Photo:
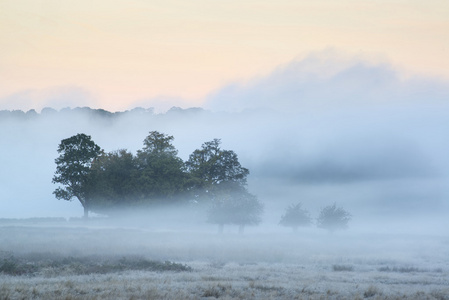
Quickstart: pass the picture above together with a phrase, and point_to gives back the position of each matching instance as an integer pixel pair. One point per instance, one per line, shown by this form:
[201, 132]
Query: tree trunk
[241, 228]
[86, 212]
[220, 228]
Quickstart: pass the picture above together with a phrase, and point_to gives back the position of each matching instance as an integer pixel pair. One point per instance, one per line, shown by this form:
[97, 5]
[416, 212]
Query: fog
[316, 131]
[319, 131]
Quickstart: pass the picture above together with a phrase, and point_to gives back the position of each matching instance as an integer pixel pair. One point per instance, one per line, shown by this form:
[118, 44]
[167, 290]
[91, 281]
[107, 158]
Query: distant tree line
[111, 182]
[87, 111]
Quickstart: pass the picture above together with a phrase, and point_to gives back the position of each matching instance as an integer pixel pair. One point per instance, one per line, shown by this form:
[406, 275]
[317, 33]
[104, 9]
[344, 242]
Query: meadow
[100, 260]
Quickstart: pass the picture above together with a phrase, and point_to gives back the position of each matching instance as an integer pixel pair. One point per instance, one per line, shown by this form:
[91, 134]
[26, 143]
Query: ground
[76, 260]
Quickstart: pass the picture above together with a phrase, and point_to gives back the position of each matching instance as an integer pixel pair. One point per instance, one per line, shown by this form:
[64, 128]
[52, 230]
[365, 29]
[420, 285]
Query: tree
[212, 168]
[333, 218]
[72, 168]
[157, 143]
[235, 206]
[162, 173]
[218, 178]
[112, 181]
[295, 216]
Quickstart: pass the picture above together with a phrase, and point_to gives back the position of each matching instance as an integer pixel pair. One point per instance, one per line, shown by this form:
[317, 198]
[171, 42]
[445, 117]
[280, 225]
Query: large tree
[76, 155]
[219, 179]
[213, 169]
[162, 174]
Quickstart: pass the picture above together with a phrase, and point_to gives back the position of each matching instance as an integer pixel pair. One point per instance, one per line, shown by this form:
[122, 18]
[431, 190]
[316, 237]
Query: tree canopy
[161, 173]
[218, 178]
[213, 169]
[112, 181]
[73, 167]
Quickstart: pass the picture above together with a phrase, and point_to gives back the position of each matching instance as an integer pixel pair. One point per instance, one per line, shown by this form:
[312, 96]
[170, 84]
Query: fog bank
[317, 131]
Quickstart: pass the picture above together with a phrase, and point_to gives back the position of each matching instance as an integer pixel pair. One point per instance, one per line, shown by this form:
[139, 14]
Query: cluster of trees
[107, 182]
[330, 218]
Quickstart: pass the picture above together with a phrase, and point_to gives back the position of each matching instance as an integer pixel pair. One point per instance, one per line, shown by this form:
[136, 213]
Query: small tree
[333, 218]
[235, 207]
[295, 217]
[72, 168]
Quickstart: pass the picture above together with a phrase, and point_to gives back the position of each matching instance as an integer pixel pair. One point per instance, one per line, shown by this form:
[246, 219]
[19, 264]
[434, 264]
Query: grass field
[64, 260]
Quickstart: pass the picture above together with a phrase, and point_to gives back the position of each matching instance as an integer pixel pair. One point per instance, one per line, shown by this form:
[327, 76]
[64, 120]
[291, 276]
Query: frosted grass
[308, 265]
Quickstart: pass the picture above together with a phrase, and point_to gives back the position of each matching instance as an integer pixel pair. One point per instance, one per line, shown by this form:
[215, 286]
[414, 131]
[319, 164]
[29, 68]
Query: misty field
[98, 260]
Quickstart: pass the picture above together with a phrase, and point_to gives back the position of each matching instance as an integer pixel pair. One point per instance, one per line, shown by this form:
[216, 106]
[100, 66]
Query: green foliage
[217, 177]
[77, 154]
[295, 217]
[157, 143]
[120, 180]
[333, 218]
[213, 169]
[112, 181]
[162, 173]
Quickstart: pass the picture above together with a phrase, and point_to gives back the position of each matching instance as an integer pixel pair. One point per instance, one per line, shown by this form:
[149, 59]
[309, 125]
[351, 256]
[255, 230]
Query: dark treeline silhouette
[97, 113]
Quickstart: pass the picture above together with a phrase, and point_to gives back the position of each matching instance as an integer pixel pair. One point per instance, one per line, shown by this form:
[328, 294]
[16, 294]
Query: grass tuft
[217, 291]
[400, 269]
[342, 268]
[371, 291]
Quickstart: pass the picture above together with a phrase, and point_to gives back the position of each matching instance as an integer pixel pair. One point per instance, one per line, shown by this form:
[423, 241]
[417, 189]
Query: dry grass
[118, 263]
[44, 264]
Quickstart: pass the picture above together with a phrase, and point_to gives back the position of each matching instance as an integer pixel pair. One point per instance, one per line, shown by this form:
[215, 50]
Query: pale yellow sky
[124, 51]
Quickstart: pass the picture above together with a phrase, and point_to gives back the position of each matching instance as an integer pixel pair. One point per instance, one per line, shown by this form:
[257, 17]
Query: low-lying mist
[356, 135]
[53, 259]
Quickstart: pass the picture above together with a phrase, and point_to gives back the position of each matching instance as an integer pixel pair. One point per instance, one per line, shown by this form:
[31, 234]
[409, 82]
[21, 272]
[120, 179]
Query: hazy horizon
[348, 132]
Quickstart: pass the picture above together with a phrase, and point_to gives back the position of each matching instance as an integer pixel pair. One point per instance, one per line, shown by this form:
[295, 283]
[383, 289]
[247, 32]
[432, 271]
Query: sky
[119, 54]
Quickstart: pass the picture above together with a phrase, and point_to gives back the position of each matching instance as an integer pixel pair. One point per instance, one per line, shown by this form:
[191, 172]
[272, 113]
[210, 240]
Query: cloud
[333, 118]
[329, 80]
